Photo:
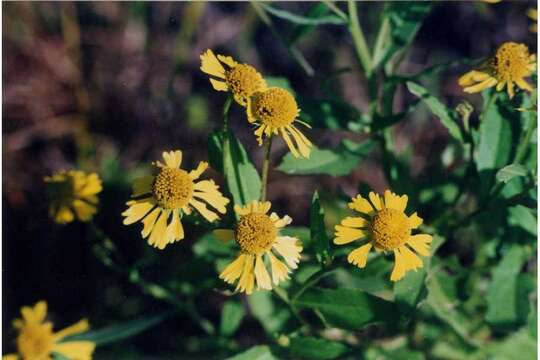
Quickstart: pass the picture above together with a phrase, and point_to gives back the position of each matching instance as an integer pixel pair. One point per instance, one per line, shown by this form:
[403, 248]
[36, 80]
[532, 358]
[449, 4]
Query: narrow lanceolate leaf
[448, 117]
[231, 316]
[400, 22]
[228, 156]
[261, 352]
[319, 237]
[314, 19]
[335, 162]
[308, 347]
[121, 331]
[509, 172]
[505, 308]
[348, 308]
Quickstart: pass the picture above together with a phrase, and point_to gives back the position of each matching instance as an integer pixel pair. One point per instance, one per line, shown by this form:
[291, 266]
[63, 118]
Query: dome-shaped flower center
[390, 229]
[172, 188]
[275, 107]
[255, 233]
[35, 341]
[244, 81]
[511, 62]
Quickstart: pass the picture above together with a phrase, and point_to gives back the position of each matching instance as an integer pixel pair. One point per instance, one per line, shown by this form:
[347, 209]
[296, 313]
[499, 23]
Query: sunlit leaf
[511, 171]
[231, 316]
[308, 347]
[319, 237]
[261, 352]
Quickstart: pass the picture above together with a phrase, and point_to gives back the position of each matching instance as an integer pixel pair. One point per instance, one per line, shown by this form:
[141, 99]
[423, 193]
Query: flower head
[275, 111]
[37, 341]
[73, 194]
[384, 226]
[240, 79]
[160, 201]
[257, 235]
[508, 67]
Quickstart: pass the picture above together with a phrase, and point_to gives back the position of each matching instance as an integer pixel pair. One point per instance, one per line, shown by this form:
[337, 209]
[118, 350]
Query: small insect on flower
[73, 194]
[508, 67]
[258, 236]
[240, 79]
[37, 341]
[384, 226]
[170, 194]
[275, 111]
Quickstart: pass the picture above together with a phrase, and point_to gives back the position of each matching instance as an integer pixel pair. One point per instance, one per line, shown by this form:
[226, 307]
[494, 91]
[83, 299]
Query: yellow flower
[275, 111]
[73, 195]
[384, 225]
[510, 65]
[170, 194]
[533, 15]
[240, 79]
[258, 236]
[36, 340]
[492, 1]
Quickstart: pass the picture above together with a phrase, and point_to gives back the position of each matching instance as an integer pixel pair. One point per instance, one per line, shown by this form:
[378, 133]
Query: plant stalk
[266, 166]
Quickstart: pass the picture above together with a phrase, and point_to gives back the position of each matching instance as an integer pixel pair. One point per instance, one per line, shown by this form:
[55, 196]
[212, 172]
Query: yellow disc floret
[172, 188]
[390, 229]
[511, 62]
[275, 107]
[35, 341]
[255, 233]
[244, 81]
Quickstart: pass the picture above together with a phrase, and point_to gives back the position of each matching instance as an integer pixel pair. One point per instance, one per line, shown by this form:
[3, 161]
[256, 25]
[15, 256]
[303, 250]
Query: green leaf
[122, 331]
[338, 162]
[401, 21]
[524, 218]
[316, 11]
[303, 20]
[308, 347]
[262, 307]
[505, 308]
[348, 308]
[447, 116]
[511, 171]
[410, 290]
[331, 114]
[516, 346]
[261, 352]
[241, 176]
[231, 317]
[319, 237]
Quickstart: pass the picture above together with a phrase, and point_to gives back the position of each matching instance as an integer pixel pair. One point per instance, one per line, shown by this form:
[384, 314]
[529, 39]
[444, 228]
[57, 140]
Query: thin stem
[525, 140]
[226, 146]
[312, 280]
[359, 39]
[266, 166]
[329, 4]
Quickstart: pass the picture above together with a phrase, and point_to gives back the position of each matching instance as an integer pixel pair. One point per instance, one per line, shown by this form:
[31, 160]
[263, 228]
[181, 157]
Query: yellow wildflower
[275, 111]
[73, 194]
[170, 194]
[37, 341]
[533, 15]
[510, 65]
[384, 225]
[258, 236]
[240, 79]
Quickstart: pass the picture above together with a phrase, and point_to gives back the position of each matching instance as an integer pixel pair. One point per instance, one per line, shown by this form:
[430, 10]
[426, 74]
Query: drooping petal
[158, 236]
[261, 274]
[78, 327]
[288, 248]
[211, 65]
[472, 77]
[63, 215]
[194, 174]
[289, 143]
[375, 200]
[400, 266]
[280, 271]
[302, 142]
[149, 221]
[420, 243]
[76, 350]
[137, 209]
[233, 270]
[524, 85]
[415, 221]
[510, 89]
[345, 235]
[175, 230]
[489, 82]
[359, 256]
[361, 205]
[355, 222]
[203, 210]
[83, 210]
[247, 279]
[224, 235]
[412, 260]
[208, 191]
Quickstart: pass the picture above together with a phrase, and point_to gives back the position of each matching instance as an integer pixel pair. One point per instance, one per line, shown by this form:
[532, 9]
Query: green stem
[335, 9]
[266, 166]
[312, 280]
[226, 146]
[359, 39]
[525, 140]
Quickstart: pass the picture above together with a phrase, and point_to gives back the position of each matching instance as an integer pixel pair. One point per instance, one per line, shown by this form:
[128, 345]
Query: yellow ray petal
[233, 270]
[10, 357]
[510, 89]
[203, 210]
[412, 260]
[219, 85]
[142, 185]
[354, 222]
[261, 275]
[345, 235]
[500, 85]
[420, 243]
[173, 159]
[359, 256]
[289, 249]
[224, 235]
[261, 207]
[63, 215]
[35, 314]
[524, 85]
[415, 221]
[211, 195]
[78, 327]
[194, 174]
[158, 236]
[289, 143]
[279, 223]
[211, 65]
[149, 221]
[280, 271]
[137, 209]
[399, 266]
[175, 230]
[302, 142]
[361, 205]
[393, 201]
[489, 82]
[76, 350]
[242, 210]
[247, 279]
[83, 210]
[375, 200]
[227, 60]
[472, 77]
